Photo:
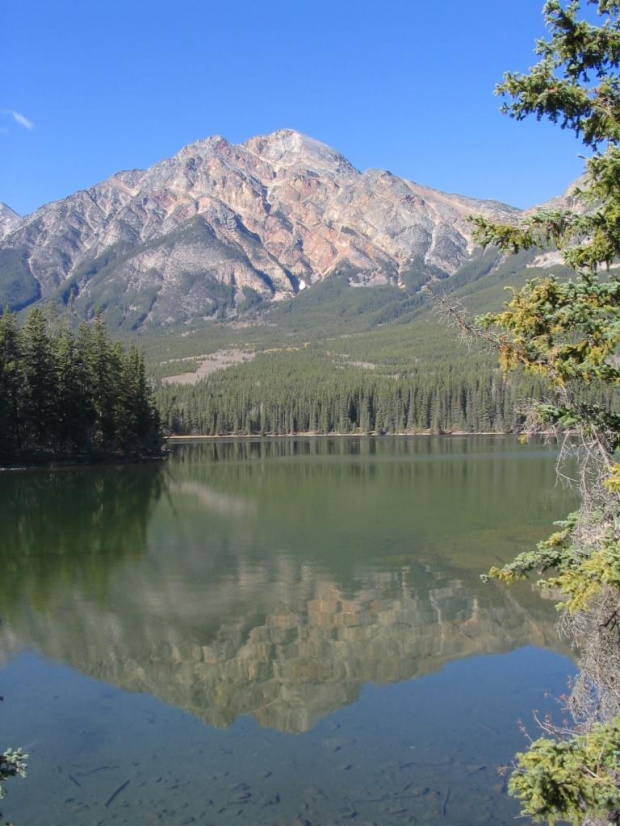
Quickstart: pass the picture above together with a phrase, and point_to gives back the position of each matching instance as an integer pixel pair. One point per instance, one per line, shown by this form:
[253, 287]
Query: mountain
[8, 220]
[219, 228]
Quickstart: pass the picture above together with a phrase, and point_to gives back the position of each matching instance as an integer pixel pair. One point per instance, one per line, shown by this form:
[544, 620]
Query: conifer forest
[68, 393]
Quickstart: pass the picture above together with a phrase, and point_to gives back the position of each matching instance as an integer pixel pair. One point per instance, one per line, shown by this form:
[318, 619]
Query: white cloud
[18, 118]
[23, 121]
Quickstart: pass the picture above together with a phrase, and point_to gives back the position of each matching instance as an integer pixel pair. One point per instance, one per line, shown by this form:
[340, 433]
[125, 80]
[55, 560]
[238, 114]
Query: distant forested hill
[346, 360]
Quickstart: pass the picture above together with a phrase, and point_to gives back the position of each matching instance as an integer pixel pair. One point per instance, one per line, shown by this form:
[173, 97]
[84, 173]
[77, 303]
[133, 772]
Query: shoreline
[372, 434]
[111, 460]
[75, 462]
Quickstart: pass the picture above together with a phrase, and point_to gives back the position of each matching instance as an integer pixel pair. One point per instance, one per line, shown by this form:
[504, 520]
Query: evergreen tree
[567, 333]
[73, 408]
[11, 386]
[103, 371]
[63, 394]
[40, 384]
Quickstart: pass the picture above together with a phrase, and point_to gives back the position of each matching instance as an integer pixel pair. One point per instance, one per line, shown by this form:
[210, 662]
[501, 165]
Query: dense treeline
[285, 395]
[71, 393]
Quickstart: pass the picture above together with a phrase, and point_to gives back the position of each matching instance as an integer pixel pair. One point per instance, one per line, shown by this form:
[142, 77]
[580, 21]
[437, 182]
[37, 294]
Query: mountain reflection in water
[276, 579]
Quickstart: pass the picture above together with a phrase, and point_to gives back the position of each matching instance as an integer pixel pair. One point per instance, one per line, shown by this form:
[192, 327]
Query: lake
[276, 632]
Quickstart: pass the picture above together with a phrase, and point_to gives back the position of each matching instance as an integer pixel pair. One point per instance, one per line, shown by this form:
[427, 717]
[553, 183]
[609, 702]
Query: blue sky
[404, 86]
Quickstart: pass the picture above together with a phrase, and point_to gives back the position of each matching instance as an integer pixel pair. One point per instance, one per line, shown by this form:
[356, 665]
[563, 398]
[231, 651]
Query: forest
[295, 393]
[72, 394]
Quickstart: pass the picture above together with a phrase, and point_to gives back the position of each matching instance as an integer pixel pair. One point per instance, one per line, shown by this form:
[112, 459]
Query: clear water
[280, 632]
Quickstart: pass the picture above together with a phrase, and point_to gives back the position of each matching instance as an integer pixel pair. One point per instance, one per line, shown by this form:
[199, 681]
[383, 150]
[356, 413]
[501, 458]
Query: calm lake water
[282, 632]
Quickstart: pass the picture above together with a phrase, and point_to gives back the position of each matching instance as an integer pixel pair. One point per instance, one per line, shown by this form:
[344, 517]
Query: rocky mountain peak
[288, 148]
[204, 146]
[221, 227]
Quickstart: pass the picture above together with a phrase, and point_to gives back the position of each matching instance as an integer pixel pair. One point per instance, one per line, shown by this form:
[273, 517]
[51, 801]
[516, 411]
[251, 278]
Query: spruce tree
[64, 394]
[40, 383]
[11, 386]
[566, 333]
[73, 411]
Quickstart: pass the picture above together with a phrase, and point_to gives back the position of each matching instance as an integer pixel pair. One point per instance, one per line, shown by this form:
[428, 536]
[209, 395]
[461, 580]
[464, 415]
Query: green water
[277, 632]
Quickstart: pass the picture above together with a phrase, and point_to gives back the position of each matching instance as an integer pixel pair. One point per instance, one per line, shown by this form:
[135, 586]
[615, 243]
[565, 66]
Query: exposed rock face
[8, 220]
[567, 200]
[219, 226]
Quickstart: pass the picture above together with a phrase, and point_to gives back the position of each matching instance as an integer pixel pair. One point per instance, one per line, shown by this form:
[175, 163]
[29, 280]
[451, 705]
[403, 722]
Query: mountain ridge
[220, 228]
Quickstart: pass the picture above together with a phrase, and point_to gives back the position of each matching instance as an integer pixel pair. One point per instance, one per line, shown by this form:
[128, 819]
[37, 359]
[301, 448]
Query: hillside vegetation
[343, 359]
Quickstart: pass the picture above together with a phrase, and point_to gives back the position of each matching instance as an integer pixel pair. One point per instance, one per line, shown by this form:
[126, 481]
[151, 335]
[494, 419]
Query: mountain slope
[219, 228]
[18, 287]
[8, 219]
